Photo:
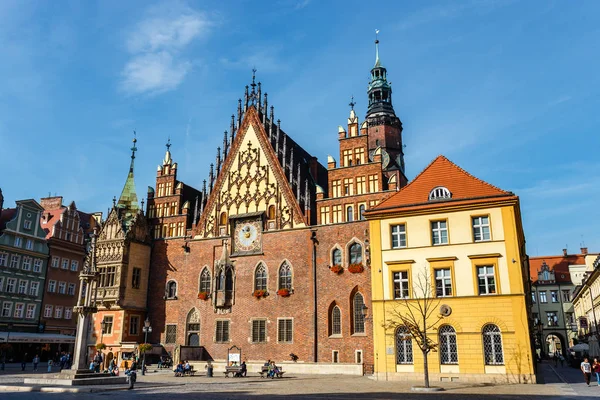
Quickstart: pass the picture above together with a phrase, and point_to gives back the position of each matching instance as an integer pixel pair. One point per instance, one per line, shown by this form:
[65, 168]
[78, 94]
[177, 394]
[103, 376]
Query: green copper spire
[377, 63]
[128, 201]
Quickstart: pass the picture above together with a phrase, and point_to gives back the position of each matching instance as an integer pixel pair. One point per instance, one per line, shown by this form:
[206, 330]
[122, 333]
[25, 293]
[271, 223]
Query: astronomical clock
[247, 236]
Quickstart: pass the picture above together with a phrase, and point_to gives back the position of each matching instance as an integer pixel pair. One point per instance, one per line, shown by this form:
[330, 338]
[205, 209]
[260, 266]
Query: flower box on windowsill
[203, 295]
[284, 292]
[336, 269]
[356, 268]
[260, 293]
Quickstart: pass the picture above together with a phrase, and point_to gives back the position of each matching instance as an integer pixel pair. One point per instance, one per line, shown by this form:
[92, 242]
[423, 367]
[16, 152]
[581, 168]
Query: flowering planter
[144, 347]
[284, 292]
[259, 293]
[356, 268]
[100, 346]
[203, 296]
[337, 269]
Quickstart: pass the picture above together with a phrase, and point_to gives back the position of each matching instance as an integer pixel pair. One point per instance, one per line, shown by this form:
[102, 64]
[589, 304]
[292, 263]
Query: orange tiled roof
[53, 216]
[558, 264]
[441, 172]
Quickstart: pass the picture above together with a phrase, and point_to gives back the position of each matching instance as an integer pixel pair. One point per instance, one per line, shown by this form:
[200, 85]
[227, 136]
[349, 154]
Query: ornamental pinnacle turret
[384, 127]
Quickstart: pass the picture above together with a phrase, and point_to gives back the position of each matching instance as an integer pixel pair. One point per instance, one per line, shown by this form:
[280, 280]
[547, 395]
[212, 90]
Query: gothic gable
[112, 228]
[251, 181]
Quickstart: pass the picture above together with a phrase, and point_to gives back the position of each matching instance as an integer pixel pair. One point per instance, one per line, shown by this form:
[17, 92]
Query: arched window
[271, 213]
[349, 214]
[193, 328]
[361, 211]
[357, 311]
[205, 281]
[336, 321]
[448, 350]
[223, 219]
[285, 276]
[404, 351]
[225, 281]
[260, 278]
[492, 345]
[439, 193]
[336, 257]
[171, 290]
[355, 253]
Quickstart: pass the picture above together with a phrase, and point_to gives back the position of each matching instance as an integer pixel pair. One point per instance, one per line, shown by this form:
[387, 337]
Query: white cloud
[157, 46]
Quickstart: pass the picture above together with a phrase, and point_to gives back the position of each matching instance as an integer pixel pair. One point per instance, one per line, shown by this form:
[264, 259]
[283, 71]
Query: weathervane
[352, 103]
[169, 143]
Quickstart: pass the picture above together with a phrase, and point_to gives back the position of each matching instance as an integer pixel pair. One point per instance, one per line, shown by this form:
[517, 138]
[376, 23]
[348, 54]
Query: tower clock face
[247, 236]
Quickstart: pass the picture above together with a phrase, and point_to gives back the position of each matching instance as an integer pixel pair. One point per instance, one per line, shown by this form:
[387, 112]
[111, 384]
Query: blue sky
[508, 90]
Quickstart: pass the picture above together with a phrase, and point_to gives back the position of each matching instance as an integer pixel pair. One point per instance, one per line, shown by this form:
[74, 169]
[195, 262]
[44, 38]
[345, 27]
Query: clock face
[247, 236]
[385, 158]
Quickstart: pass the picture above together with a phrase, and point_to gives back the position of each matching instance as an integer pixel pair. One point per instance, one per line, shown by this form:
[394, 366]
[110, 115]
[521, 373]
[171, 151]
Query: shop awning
[29, 337]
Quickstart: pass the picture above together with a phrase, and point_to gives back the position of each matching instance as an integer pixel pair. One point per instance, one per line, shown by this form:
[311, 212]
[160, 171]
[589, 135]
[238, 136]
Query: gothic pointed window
[358, 304]
[260, 278]
[205, 281]
[355, 253]
[336, 321]
[285, 276]
[171, 290]
[193, 328]
[336, 257]
[349, 214]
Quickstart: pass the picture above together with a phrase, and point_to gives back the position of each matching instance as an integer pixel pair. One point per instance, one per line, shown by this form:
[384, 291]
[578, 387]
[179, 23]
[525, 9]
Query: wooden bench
[190, 372]
[265, 370]
[232, 371]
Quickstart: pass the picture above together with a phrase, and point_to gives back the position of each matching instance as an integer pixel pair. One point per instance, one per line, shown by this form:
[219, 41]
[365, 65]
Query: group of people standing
[588, 369]
[63, 360]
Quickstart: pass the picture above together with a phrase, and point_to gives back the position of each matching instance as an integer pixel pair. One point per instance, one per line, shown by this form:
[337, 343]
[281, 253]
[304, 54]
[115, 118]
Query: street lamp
[102, 330]
[147, 328]
[540, 331]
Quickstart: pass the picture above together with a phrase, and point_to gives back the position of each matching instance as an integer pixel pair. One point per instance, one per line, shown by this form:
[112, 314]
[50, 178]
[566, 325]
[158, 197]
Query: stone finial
[232, 129]
[265, 109]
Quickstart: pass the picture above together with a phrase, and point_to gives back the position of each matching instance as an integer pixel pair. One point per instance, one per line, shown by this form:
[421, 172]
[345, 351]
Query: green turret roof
[128, 201]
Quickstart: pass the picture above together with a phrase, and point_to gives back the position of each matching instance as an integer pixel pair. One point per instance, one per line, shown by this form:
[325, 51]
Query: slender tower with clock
[383, 126]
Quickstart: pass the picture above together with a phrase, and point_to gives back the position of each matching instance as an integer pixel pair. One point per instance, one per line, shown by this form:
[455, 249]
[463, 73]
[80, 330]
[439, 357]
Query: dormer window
[440, 193]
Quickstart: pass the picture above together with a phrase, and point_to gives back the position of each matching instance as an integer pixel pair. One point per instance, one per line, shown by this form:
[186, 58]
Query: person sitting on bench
[243, 370]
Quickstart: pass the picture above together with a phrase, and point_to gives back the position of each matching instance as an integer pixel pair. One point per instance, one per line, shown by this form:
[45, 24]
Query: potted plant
[284, 292]
[144, 347]
[203, 295]
[336, 269]
[356, 268]
[259, 293]
[100, 346]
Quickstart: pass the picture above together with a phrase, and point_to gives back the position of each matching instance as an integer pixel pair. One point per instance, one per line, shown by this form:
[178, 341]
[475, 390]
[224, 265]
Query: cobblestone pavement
[570, 380]
[311, 387]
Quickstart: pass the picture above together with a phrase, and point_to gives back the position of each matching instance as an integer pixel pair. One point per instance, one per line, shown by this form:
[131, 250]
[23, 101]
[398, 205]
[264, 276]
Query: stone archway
[193, 328]
[555, 342]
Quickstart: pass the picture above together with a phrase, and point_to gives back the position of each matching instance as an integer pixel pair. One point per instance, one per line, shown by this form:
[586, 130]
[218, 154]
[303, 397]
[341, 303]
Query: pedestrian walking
[36, 361]
[562, 360]
[23, 362]
[586, 368]
[49, 365]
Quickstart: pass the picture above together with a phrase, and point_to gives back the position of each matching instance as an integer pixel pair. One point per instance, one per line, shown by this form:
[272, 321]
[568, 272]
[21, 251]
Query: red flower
[336, 269]
[283, 292]
[203, 296]
[356, 268]
[259, 293]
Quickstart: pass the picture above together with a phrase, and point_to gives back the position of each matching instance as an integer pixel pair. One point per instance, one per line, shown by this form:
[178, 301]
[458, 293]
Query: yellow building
[460, 239]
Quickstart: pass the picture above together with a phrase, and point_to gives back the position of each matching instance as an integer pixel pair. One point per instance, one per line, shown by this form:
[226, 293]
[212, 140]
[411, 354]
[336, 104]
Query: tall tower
[384, 127]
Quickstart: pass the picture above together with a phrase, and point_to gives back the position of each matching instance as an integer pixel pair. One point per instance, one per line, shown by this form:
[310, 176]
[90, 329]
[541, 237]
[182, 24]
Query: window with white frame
[492, 345]
[30, 313]
[336, 321]
[566, 296]
[18, 241]
[1, 283]
[51, 286]
[533, 297]
[481, 229]
[285, 330]
[3, 259]
[552, 318]
[439, 232]
[11, 285]
[48, 311]
[260, 277]
[29, 244]
[19, 309]
[543, 298]
[554, 296]
[404, 350]
[443, 282]
[23, 286]
[65, 263]
[27, 224]
[74, 265]
[285, 276]
[68, 312]
[58, 312]
[7, 308]
[55, 262]
[398, 236]
[448, 348]
[26, 263]
[259, 331]
[401, 289]
[358, 303]
[71, 289]
[440, 193]
[486, 279]
[37, 265]
[34, 288]
[108, 319]
[336, 257]
[14, 261]
[205, 280]
[62, 287]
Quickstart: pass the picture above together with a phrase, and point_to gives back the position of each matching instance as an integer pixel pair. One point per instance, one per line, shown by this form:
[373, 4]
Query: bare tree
[419, 315]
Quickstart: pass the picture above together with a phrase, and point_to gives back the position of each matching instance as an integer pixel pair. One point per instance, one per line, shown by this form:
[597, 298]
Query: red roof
[464, 188]
[51, 217]
[558, 264]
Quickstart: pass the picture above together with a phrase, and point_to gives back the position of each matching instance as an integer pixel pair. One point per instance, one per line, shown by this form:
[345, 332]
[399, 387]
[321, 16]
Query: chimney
[565, 252]
[584, 251]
